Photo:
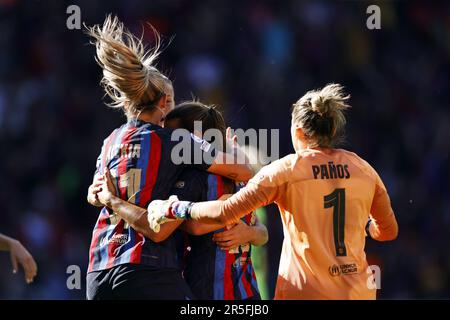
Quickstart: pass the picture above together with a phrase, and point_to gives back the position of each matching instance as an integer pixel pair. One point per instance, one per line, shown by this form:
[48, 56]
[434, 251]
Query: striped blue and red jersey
[211, 273]
[138, 155]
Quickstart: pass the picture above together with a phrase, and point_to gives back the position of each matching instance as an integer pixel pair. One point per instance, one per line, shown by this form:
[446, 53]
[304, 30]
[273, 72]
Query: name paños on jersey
[331, 171]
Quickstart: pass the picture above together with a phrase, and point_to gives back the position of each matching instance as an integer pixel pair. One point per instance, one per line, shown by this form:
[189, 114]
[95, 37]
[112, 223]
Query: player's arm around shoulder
[262, 190]
[266, 187]
[272, 180]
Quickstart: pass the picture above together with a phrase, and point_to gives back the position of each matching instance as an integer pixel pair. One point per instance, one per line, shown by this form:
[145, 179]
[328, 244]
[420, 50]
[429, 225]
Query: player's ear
[299, 134]
[162, 103]
[167, 102]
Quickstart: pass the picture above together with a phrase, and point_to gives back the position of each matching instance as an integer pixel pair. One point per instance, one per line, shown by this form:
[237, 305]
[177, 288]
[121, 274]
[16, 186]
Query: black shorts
[137, 282]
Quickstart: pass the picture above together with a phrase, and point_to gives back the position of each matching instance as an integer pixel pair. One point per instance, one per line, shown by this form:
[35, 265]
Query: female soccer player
[123, 263]
[325, 196]
[218, 265]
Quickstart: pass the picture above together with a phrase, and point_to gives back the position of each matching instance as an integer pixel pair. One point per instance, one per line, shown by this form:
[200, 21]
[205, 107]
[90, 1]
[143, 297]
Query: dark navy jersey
[139, 157]
[211, 272]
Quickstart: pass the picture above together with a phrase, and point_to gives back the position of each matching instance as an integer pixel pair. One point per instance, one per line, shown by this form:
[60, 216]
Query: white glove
[158, 212]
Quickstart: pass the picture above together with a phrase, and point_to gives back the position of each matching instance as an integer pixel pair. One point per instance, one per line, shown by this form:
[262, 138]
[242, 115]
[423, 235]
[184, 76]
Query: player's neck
[151, 117]
[302, 146]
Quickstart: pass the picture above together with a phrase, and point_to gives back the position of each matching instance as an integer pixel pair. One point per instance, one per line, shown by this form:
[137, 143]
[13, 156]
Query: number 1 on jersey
[336, 200]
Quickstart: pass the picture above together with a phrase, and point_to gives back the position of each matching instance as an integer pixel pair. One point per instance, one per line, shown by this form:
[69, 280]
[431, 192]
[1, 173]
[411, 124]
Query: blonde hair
[320, 114]
[129, 77]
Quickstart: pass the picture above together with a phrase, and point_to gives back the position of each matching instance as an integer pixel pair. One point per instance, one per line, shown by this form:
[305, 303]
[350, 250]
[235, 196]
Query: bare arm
[137, 218]
[134, 215]
[233, 236]
[256, 235]
[197, 228]
[5, 242]
[232, 165]
[19, 255]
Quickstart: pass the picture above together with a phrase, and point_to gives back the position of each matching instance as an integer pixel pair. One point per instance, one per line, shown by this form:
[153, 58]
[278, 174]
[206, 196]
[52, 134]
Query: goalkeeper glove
[162, 211]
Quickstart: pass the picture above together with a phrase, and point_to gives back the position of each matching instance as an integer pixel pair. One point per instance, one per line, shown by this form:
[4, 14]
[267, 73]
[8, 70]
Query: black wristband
[189, 209]
[368, 228]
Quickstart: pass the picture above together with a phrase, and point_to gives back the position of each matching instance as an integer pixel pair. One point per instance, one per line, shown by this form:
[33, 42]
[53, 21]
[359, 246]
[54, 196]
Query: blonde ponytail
[320, 114]
[129, 76]
[330, 99]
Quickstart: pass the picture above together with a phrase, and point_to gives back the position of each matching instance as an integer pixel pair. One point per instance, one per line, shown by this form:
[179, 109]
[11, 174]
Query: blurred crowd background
[253, 59]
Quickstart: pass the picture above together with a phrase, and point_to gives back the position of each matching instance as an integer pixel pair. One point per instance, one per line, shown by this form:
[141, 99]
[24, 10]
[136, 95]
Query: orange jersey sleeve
[385, 225]
[265, 188]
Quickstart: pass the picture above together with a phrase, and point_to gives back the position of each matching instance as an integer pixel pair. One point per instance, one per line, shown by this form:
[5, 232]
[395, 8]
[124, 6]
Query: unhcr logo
[334, 270]
[344, 269]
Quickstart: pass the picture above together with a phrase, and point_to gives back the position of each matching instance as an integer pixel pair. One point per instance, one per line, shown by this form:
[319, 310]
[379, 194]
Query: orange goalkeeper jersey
[325, 197]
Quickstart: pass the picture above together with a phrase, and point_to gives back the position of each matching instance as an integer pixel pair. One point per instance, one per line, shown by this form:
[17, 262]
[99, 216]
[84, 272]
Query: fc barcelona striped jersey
[138, 155]
[211, 272]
